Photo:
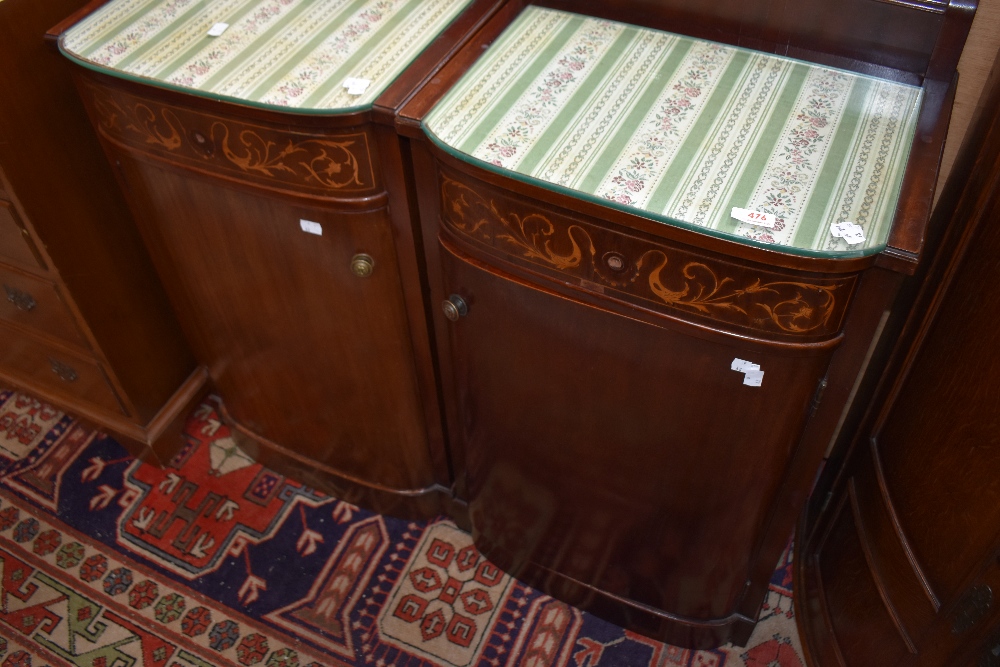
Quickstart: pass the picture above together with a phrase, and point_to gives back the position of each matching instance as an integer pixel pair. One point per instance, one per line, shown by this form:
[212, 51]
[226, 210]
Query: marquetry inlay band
[675, 280]
[319, 164]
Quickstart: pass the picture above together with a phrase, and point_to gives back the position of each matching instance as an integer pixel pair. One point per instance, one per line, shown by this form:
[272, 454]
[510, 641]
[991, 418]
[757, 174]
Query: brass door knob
[362, 265]
[454, 307]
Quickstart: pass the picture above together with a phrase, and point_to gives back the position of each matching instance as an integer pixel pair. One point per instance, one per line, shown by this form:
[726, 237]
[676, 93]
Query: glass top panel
[683, 130]
[294, 55]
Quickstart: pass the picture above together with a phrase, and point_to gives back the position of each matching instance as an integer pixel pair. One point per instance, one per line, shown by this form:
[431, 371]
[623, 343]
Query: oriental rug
[216, 560]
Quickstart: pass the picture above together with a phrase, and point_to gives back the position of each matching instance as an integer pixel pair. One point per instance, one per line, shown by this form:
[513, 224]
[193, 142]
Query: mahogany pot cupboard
[898, 559]
[600, 328]
[84, 321]
[503, 282]
[615, 452]
[285, 238]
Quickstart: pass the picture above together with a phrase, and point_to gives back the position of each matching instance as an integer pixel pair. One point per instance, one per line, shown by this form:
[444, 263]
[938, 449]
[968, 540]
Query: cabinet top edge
[687, 132]
[290, 56]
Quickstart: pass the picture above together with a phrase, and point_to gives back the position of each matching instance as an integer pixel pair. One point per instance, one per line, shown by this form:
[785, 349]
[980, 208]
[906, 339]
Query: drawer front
[671, 278]
[323, 164]
[48, 368]
[15, 244]
[34, 303]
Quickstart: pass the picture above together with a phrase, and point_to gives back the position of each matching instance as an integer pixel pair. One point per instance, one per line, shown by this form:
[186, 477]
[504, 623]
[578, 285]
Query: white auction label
[838, 229]
[854, 237]
[217, 29]
[753, 378]
[851, 232]
[356, 86]
[311, 227]
[753, 217]
[743, 366]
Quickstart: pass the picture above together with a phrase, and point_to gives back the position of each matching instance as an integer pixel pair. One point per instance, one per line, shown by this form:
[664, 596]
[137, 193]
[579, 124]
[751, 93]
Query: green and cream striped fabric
[685, 129]
[293, 54]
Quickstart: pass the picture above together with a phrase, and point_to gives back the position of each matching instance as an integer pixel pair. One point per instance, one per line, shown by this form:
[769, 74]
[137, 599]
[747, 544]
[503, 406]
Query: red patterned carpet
[218, 561]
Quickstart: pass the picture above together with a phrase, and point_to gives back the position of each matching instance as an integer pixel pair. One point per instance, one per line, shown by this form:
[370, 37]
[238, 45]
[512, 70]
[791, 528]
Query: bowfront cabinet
[590, 452]
[640, 381]
[269, 186]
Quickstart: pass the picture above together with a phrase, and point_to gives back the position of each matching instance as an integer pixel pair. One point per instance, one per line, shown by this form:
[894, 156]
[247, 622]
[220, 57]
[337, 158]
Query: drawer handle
[21, 299]
[454, 307]
[65, 372]
[362, 265]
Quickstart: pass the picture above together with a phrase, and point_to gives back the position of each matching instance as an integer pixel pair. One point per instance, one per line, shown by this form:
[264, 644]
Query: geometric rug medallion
[217, 561]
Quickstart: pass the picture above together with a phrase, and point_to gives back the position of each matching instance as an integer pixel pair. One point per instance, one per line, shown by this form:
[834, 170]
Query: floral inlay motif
[798, 307]
[322, 163]
[674, 278]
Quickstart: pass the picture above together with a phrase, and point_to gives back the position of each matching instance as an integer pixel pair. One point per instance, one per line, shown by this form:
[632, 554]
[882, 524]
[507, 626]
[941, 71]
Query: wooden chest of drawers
[84, 322]
[16, 246]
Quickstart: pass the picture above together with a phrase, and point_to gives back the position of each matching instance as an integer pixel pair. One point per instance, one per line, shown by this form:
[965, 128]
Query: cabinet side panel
[953, 429]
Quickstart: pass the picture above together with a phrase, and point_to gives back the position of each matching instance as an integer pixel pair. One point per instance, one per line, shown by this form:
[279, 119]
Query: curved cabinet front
[629, 408]
[305, 353]
[277, 247]
[616, 454]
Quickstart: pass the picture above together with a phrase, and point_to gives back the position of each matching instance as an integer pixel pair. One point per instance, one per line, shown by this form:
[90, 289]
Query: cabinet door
[304, 352]
[617, 452]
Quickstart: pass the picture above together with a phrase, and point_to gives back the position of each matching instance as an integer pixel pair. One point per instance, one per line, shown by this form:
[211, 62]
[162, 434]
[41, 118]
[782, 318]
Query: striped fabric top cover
[684, 130]
[289, 54]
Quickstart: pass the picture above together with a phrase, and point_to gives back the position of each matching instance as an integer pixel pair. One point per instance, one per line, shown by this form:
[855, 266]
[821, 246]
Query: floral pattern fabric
[292, 54]
[684, 130]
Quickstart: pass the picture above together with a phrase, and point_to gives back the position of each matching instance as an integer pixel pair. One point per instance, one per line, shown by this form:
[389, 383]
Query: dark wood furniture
[899, 557]
[318, 344]
[607, 454]
[84, 321]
